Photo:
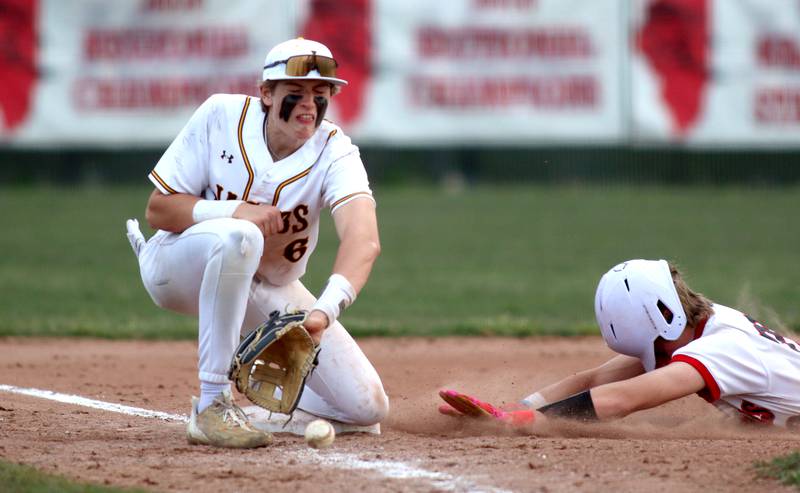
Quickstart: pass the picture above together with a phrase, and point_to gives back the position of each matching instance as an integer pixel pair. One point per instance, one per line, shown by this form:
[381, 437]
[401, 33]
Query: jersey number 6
[295, 250]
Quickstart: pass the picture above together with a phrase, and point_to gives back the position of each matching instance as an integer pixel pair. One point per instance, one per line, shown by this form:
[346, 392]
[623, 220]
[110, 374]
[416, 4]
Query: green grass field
[513, 260]
[485, 260]
[786, 469]
[15, 478]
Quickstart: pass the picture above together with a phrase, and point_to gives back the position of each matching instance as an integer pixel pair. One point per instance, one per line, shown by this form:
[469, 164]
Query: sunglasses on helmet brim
[301, 65]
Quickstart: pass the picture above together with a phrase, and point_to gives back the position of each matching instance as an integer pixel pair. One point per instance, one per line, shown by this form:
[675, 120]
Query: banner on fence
[127, 72]
[716, 72]
[483, 72]
[493, 71]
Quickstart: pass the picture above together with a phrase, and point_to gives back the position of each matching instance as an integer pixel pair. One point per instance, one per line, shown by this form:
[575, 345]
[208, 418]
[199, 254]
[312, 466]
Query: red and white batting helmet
[628, 306]
[299, 59]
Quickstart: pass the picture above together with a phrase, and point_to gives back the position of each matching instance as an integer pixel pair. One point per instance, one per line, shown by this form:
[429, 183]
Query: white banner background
[495, 72]
[131, 72]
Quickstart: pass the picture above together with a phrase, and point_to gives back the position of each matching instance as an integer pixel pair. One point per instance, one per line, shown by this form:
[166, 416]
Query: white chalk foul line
[386, 468]
[398, 470]
[83, 401]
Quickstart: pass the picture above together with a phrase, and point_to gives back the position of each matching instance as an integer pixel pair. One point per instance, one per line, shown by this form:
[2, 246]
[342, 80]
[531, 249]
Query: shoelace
[235, 414]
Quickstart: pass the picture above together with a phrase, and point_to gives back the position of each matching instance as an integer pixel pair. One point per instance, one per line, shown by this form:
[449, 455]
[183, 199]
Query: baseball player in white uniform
[237, 202]
[672, 342]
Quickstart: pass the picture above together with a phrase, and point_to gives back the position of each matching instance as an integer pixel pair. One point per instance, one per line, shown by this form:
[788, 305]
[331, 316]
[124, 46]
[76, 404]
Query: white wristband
[535, 401]
[337, 295]
[214, 209]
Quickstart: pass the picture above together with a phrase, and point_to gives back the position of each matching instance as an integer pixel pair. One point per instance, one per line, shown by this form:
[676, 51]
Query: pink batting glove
[459, 404]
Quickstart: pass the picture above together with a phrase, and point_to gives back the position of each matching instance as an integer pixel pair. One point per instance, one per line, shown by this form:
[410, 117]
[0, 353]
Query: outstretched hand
[463, 405]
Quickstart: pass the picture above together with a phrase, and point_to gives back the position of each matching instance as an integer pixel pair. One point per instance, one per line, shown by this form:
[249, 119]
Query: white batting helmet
[299, 59]
[628, 308]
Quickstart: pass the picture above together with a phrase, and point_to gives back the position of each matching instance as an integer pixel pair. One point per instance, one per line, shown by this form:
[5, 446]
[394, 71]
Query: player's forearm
[355, 259]
[618, 399]
[170, 212]
[567, 386]
[617, 368]
[350, 272]
[605, 402]
[615, 401]
[359, 243]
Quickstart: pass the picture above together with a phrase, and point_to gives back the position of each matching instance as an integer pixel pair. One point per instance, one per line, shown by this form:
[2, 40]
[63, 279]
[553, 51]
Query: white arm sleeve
[184, 166]
[346, 180]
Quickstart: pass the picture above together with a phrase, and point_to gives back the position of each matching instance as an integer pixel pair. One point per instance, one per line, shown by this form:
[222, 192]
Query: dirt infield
[684, 446]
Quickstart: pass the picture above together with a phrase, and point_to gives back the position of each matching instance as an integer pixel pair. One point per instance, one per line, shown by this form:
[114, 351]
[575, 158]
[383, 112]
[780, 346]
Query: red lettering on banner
[569, 92]
[345, 26]
[778, 51]
[92, 94]
[19, 54]
[470, 42]
[505, 4]
[138, 44]
[674, 40]
[172, 5]
[778, 106]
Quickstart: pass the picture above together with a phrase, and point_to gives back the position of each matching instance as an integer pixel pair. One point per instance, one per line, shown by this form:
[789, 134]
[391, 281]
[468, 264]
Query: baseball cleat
[465, 405]
[224, 424]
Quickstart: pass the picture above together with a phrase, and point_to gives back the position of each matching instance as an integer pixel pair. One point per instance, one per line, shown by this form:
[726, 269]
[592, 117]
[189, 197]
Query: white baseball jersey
[222, 154]
[750, 371]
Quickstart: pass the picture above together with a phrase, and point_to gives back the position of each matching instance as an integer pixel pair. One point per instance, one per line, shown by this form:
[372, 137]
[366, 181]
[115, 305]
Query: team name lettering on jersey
[296, 219]
[773, 336]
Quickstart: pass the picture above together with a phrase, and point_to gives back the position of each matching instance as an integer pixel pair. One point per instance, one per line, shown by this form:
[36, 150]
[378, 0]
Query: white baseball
[319, 434]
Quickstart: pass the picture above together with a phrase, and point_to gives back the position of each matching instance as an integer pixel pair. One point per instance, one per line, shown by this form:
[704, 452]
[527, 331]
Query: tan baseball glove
[278, 354]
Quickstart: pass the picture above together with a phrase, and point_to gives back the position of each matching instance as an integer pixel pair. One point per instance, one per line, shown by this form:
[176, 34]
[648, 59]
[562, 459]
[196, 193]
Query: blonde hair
[696, 305]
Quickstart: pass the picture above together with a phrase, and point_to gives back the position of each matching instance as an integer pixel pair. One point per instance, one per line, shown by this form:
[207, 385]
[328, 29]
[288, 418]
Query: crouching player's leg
[345, 388]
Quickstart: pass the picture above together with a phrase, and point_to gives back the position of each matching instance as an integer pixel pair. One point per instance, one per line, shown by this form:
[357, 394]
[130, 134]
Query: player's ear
[266, 92]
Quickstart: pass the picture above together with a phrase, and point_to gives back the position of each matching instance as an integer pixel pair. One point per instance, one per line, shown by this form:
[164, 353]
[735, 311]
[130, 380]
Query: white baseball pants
[209, 271]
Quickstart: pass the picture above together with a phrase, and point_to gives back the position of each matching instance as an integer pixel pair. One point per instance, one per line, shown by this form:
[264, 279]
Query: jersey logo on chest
[227, 156]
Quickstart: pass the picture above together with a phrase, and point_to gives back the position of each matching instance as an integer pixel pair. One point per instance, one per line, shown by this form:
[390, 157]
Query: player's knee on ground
[241, 244]
[372, 406]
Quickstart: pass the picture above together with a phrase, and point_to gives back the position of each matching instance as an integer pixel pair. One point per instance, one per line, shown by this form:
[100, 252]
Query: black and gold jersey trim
[288, 182]
[348, 197]
[244, 152]
[162, 182]
[301, 174]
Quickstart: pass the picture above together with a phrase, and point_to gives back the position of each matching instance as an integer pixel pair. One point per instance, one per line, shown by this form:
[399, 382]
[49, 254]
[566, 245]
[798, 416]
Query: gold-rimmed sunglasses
[301, 65]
